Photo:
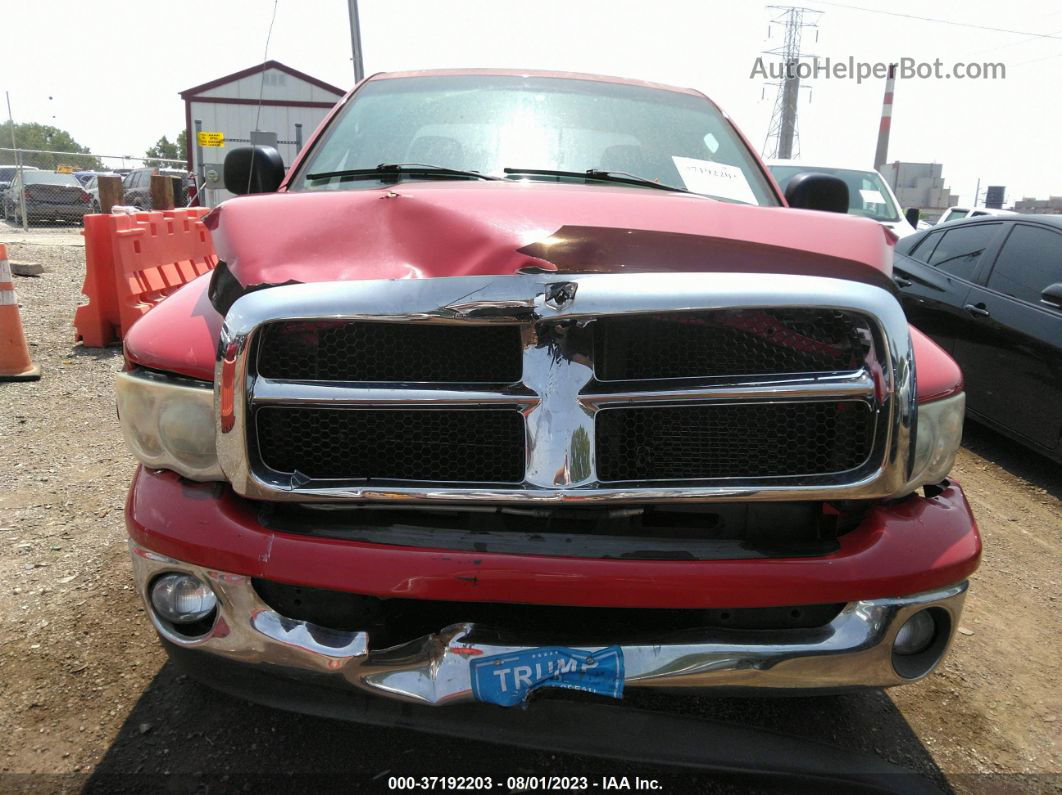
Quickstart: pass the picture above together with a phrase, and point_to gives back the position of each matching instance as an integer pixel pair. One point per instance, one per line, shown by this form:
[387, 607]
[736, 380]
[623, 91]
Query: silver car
[49, 197]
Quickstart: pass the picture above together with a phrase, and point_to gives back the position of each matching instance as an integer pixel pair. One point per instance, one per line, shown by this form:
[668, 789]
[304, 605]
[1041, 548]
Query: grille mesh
[389, 352]
[393, 444]
[727, 342]
[721, 441]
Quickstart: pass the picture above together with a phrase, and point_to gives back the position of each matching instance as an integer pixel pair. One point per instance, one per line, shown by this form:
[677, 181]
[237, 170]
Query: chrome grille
[337, 350]
[393, 444]
[728, 342]
[730, 441]
[629, 388]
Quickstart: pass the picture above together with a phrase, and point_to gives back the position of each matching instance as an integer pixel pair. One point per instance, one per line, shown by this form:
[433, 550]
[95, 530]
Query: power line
[939, 21]
[1037, 60]
[1014, 43]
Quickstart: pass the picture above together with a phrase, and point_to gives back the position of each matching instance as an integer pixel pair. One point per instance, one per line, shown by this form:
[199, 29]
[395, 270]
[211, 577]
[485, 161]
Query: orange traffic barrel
[15, 363]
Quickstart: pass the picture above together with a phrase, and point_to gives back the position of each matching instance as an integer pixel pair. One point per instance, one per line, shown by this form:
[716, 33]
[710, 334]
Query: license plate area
[508, 679]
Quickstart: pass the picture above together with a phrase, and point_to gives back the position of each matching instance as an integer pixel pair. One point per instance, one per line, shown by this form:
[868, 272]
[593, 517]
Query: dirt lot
[87, 697]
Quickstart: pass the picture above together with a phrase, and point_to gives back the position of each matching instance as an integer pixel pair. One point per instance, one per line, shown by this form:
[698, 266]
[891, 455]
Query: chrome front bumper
[853, 650]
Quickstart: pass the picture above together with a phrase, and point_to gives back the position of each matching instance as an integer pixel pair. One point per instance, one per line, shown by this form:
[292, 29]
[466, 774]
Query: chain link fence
[40, 187]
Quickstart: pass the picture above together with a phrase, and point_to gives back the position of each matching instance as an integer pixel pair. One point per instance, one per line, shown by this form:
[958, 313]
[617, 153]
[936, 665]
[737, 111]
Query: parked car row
[52, 196]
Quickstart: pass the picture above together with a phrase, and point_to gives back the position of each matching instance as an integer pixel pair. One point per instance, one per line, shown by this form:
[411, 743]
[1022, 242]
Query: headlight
[937, 440]
[169, 425]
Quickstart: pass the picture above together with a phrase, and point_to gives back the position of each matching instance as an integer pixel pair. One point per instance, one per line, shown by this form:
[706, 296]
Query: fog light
[182, 598]
[916, 634]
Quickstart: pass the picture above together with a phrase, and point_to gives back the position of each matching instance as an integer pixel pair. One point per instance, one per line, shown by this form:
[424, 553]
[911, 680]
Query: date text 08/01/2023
[523, 783]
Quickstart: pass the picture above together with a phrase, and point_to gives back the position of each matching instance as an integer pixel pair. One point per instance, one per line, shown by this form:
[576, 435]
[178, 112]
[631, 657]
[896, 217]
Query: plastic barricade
[132, 262]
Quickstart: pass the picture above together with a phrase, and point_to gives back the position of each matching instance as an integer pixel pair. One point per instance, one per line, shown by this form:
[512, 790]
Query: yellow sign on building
[210, 138]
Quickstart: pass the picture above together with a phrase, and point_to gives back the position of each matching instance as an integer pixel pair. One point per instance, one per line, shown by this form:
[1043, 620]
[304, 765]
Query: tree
[171, 150]
[30, 135]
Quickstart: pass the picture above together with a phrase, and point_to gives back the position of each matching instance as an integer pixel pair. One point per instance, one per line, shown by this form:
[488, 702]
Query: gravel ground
[87, 696]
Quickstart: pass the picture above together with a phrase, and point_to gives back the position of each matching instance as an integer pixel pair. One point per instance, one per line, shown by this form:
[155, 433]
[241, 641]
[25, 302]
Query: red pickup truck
[524, 380]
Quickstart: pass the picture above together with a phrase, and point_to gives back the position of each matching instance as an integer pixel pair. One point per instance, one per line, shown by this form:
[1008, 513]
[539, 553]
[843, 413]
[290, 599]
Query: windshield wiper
[401, 169]
[621, 177]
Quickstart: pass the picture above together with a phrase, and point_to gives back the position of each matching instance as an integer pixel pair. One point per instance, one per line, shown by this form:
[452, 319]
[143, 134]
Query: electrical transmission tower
[783, 140]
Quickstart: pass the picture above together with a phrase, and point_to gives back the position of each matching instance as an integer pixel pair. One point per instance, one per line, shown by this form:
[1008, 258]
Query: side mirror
[253, 169]
[912, 215]
[811, 191]
[1052, 296]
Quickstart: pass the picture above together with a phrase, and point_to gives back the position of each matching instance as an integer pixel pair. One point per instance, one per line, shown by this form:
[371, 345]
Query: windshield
[488, 123]
[867, 194]
[48, 178]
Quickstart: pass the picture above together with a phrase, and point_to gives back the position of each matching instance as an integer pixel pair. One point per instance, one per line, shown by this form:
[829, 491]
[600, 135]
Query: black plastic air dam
[725, 531]
[553, 724]
[391, 622]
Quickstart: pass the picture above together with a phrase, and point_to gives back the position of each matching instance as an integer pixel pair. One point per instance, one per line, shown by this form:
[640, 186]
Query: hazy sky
[109, 71]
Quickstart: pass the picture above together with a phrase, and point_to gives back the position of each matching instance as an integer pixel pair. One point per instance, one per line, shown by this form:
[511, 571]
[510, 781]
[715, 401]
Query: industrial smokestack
[882, 153]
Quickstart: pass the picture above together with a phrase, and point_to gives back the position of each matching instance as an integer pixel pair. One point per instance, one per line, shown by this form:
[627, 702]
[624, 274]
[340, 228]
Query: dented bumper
[853, 650]
[909, 556]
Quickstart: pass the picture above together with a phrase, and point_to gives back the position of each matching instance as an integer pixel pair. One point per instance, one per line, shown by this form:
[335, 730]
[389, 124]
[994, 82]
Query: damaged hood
[423, 230]
[440, 229]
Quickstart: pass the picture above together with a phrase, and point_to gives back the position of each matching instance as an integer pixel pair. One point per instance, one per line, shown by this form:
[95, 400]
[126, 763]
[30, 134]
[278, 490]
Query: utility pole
[783, 140]
[355, 40]
[881, 154]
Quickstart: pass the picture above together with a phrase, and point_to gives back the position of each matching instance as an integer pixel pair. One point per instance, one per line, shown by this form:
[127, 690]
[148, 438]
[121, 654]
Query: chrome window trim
[558, 394]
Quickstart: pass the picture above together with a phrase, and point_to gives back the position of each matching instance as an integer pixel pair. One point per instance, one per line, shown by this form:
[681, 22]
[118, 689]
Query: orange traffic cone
[15, 364]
